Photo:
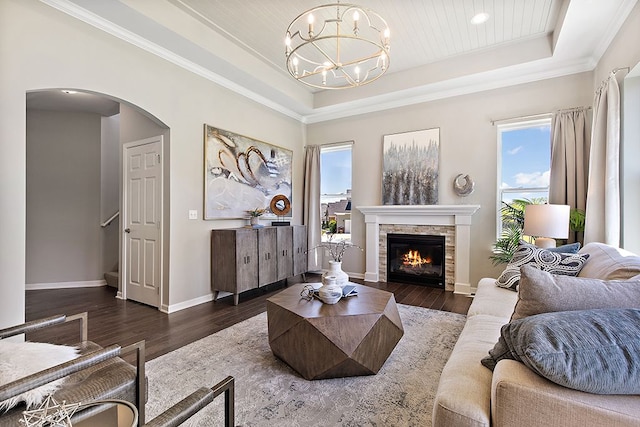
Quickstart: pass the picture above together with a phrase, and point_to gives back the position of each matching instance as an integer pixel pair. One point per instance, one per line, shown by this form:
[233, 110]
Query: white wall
[63, 197]
[467, 145]
[42, 48]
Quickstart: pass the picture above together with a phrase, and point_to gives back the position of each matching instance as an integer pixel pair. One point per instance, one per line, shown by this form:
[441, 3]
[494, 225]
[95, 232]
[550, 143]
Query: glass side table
[106, 413]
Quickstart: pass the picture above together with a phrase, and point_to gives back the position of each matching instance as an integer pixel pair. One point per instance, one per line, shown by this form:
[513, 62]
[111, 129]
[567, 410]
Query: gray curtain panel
[570, 146]
[602, 220]
[311, 205]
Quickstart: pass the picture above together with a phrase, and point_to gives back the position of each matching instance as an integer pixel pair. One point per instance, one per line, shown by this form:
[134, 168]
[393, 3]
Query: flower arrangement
[256, 212]
[337, 250]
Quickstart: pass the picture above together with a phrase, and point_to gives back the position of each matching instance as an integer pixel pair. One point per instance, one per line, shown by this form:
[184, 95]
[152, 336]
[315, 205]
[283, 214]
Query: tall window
[525, 162]
[335, 191]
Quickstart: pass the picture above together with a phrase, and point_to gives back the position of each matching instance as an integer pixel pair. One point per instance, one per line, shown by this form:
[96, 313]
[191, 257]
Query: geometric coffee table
[353, 337]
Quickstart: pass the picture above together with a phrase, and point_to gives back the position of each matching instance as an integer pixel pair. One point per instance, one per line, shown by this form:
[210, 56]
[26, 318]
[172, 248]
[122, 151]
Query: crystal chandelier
[337, 46]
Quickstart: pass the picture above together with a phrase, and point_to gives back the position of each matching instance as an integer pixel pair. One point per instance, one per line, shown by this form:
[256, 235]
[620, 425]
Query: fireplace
[417, 259]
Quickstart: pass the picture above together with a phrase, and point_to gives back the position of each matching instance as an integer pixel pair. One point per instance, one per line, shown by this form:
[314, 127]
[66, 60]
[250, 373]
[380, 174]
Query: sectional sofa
[470, 394]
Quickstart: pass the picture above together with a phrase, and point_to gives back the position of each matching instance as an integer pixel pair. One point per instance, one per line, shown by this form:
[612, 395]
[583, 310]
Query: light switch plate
[193, 214]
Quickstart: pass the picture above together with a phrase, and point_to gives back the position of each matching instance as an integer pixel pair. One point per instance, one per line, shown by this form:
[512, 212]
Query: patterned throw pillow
[553, 262]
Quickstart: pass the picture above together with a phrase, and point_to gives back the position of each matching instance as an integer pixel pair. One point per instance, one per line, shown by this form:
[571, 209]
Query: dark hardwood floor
[114, 321]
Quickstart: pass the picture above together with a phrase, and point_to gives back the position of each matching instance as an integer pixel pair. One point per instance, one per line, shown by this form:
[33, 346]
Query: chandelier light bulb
[356, 17]
[324, 76]
[357, 71]
[310, 20]
[295, 65]
[287, 43]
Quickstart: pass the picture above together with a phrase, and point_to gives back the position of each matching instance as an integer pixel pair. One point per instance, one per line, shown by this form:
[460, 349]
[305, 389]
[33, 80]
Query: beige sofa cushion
[520, 398]
[542, 292]
[492, 300]
[464, 393]
[609, 263]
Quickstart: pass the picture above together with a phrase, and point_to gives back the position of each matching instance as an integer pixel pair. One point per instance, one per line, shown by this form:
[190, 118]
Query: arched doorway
[74, 187]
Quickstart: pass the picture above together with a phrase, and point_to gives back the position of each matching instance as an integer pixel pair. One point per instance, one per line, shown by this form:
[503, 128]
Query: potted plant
[254, 214]
[513, 225]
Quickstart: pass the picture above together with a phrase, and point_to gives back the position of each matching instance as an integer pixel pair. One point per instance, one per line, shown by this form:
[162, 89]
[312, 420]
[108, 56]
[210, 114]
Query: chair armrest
[197, 400]
[141, 383]
[34, 325]
[38, 379]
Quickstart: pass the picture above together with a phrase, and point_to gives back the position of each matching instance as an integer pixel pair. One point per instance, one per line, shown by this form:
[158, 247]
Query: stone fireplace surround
[452, 221]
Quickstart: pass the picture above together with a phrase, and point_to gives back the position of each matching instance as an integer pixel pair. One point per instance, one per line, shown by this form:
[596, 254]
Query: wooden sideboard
[247, 258]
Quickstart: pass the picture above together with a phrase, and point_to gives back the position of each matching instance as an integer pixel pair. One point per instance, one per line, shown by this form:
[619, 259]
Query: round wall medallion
[280, 205]
[463, 185]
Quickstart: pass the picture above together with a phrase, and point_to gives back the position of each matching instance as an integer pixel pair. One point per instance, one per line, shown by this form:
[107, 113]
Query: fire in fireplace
[417, 259]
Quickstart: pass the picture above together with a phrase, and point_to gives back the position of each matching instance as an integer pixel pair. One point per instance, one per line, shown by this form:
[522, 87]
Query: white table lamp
[550, 222]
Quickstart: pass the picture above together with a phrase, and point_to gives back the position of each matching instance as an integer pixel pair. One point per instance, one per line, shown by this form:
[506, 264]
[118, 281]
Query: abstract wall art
[242, 174]
[410, 168]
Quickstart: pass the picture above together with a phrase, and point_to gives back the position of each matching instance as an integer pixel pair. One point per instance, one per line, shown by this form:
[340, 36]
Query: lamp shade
[547, 221]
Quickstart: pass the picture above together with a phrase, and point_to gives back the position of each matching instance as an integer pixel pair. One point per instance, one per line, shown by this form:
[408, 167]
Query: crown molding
[109, 27]
[495, 79]
[489, 80]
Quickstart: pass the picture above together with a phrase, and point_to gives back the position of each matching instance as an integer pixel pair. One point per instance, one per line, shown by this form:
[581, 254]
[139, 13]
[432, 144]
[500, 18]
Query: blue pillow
[569, 248]
[595, 351]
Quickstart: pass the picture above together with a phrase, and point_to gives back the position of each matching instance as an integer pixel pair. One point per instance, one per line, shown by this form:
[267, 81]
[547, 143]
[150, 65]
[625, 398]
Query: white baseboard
[462, 288]
[65, 285]
[186, 304]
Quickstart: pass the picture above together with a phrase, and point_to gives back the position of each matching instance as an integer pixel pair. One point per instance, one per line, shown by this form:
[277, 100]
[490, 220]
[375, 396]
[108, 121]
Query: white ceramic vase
[330, 292]
[335, 270]
[255, 220]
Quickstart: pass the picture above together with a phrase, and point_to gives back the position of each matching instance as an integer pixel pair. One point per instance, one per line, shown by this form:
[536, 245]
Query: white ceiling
[435, 51]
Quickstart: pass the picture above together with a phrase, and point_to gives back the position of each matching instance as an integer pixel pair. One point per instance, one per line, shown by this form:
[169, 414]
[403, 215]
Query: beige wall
[467, 145]
[63, 197]
[43, 48]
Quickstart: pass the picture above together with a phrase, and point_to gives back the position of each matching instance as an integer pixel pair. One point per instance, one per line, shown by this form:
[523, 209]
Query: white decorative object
[21, 359]
[50, 413]
[335, 270]
[330, 292]
[463, 185]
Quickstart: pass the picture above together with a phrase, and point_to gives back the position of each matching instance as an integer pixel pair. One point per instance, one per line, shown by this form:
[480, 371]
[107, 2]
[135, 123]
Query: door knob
[127, 230]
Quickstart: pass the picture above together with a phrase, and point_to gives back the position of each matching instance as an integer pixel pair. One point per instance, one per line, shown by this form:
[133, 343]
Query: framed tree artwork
[242, 174]
[410, 168]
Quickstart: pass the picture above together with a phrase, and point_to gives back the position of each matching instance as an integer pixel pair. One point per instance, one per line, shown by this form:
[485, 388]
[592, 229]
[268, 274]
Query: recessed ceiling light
[69, 92]
[480, 18]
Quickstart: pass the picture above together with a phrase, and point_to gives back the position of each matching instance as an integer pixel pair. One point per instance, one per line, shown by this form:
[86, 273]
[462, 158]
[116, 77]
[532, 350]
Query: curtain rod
[352, 142]
[538, 116]
[531, 116]
[615, 70]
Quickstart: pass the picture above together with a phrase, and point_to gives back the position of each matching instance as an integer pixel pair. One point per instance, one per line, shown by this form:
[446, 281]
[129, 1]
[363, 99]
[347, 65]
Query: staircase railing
[110, 220]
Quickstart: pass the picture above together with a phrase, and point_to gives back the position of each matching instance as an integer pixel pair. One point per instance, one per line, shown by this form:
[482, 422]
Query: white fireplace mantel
[458, 216]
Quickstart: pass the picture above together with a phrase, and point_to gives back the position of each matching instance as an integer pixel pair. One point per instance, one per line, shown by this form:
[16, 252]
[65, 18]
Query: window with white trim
[524, 163]
[335, 191]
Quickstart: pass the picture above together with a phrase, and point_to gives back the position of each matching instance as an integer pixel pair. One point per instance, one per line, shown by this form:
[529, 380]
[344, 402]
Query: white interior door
[142, 251]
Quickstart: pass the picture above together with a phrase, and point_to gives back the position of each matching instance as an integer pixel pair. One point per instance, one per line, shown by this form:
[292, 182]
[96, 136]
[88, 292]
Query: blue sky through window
[526, 157]
[335, 170]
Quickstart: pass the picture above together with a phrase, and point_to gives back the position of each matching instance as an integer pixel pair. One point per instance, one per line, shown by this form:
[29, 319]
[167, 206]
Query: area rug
[269, 393]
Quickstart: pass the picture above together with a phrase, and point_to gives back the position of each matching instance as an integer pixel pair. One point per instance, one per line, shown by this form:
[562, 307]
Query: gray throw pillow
[553, 262]
[542, 292]
[595, 351]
